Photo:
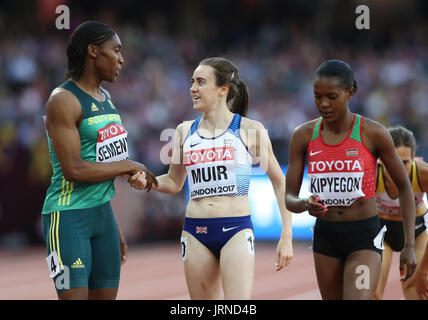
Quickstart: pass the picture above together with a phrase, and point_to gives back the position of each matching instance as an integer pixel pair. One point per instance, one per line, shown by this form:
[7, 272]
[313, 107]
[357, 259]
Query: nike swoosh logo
[195, 144]
[314, 153]
[419, 225]
[228, 229]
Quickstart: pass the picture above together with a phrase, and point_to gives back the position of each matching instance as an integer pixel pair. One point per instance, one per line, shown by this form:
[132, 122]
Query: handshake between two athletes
[141, 180]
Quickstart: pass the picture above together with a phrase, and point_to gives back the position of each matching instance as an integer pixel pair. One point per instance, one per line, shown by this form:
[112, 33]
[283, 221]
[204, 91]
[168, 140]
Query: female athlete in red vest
[341, 149]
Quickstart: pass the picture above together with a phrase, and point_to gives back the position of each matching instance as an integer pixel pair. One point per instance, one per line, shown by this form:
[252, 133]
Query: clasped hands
[140, 180]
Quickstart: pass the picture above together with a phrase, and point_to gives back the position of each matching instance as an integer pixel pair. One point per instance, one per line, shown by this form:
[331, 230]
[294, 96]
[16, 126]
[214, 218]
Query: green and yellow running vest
[103, 139]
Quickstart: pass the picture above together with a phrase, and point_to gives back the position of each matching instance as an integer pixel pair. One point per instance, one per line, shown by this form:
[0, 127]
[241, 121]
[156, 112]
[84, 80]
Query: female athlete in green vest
[88, 148]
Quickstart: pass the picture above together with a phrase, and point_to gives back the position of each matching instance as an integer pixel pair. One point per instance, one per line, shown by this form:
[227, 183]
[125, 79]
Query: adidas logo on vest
[94, 107]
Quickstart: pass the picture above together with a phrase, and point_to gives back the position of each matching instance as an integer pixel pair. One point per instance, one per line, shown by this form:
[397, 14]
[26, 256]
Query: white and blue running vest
[218, 166]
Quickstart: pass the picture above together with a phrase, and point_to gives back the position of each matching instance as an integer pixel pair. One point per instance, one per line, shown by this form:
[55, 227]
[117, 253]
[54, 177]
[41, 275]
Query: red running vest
[340, 174]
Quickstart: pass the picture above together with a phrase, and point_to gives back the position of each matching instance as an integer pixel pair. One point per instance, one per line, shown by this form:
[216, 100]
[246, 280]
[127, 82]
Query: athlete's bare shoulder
[62, 107]
[422, 171]
[422, 165]
[301, 136]
[304, 130]
[247, 123]
[183, 130]
[375, 135]
[184, 127]
[372, 126]
[62, 100]
[254, 134]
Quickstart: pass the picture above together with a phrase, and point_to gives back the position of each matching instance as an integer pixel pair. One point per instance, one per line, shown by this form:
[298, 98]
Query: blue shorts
[214, 233]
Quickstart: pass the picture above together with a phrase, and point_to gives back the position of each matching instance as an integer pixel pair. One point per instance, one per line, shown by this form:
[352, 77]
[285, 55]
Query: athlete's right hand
[419, 281]
[143, 179]
[315, 206]
[138, 181]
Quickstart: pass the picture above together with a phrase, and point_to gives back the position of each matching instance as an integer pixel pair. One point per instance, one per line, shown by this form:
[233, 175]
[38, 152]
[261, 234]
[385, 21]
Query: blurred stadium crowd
[277, 45]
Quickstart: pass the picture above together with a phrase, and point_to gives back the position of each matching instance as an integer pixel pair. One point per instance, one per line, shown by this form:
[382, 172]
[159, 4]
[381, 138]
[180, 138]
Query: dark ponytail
[240, 95]
[90, 32]
[226, 73]
[338, 69]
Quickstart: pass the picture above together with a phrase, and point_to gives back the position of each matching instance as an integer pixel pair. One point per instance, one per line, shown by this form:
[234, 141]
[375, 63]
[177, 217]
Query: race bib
[336, 182]
[337, 189]
[112, 144]
[249, 236]
[183, 248]
[53, 264]
[211, 172]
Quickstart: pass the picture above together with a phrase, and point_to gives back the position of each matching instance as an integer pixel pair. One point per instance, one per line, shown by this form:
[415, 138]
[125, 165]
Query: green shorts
[83, 248]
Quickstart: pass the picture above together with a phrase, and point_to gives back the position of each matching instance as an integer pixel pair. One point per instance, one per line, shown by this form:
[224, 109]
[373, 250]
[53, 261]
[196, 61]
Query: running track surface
[155, 272]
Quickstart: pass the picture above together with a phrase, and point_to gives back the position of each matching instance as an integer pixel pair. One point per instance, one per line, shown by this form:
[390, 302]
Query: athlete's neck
[91, 85]
[218, 119]
[341, 124]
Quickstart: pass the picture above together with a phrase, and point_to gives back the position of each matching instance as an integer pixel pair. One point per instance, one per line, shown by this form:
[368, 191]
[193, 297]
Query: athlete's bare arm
[422, 174]
[173, 181]
[296, 167]
[261, 147]
[379, 141]
[63, 115]
[420, 279]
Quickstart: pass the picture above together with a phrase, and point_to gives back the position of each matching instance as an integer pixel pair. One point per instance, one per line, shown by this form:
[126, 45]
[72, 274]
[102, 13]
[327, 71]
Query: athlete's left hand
[284, 253]
[407, 259]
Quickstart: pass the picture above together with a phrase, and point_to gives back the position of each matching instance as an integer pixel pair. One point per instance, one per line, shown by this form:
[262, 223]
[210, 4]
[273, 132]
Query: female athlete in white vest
[216, 152]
